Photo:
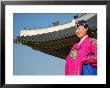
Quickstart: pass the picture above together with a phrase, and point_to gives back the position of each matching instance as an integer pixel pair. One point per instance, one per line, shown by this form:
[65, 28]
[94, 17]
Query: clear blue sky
[32, 62]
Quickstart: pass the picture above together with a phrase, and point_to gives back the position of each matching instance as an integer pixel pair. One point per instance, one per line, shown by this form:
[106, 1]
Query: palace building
[56, 40]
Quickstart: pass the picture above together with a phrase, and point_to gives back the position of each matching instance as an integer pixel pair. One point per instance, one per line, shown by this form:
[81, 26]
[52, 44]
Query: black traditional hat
[81, 23]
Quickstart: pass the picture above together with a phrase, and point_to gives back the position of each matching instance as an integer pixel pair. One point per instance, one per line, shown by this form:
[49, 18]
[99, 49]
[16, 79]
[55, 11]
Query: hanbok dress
[86, 49]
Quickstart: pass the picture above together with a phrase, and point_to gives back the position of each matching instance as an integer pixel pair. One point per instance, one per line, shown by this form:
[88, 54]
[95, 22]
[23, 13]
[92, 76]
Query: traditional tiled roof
[56, 43]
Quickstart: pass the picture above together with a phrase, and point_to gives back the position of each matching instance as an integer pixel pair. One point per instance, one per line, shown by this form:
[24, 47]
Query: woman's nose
[77, 30]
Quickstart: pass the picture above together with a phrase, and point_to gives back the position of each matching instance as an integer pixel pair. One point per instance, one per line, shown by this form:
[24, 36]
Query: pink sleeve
[68, 67]
[92, 59]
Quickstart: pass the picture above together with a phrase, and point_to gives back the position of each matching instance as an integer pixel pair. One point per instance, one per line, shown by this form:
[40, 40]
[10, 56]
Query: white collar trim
[82, 39]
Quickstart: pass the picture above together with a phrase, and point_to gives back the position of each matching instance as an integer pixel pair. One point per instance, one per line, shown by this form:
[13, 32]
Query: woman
[82, 59]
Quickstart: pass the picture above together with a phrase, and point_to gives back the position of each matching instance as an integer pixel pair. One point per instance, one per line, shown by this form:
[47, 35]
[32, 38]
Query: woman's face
[81, 31]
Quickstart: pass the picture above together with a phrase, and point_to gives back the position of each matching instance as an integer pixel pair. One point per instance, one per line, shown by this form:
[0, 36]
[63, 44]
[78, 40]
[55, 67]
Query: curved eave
[58, 47]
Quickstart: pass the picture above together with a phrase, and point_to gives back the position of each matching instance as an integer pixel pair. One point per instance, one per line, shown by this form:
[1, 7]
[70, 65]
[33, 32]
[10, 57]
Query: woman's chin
[79, 36]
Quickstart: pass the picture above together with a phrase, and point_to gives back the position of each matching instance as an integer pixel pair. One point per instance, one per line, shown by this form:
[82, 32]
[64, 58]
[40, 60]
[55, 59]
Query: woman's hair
[88, 32]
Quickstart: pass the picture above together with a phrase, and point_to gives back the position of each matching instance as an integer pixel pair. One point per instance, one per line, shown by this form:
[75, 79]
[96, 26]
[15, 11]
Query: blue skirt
[88, 69]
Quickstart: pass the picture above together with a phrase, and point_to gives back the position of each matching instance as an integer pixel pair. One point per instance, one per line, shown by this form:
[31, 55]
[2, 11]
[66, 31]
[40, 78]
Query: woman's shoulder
[90, 41]
[93, 40]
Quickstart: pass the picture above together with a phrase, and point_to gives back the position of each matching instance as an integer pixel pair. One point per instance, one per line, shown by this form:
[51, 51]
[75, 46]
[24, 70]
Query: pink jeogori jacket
[78, 54]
